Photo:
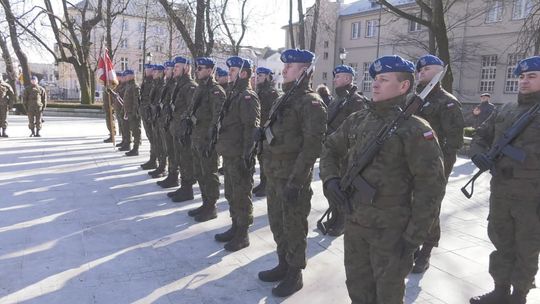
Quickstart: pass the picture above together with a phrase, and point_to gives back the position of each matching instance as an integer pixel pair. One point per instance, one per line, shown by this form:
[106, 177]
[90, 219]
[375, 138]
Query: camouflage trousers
[168, 147]
[4, 110]
[374, 266]
[182, 154]
[34, 118]
[108, 117]
[123, 126]
[134, 124]
[159, 144]
[147, 124]
[205, 170]
[288, 220]
[514, 230]
[261, 168]
[238, 186]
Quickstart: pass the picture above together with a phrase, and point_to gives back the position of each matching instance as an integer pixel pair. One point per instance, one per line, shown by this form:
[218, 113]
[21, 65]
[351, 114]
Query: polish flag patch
[247, 97]
[428, 135]
[450, 105]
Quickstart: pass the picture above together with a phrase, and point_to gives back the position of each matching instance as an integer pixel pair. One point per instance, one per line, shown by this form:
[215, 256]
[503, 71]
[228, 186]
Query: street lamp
[149, 57]
[342, 54]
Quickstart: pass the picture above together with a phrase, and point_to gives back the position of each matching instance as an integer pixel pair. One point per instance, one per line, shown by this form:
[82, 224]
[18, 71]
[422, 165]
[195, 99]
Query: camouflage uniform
[7, 98]
[145, 113]
[131, 109]
[339, 110]
[514, 209]
[211, 97]
[119, 113]
[35, 101]
[164, 124]
[234, 144]
[159, 89]
[298, 134]
[409, 179]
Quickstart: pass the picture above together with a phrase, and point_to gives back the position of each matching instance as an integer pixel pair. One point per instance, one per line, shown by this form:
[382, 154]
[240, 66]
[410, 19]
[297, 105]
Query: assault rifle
[503, 146]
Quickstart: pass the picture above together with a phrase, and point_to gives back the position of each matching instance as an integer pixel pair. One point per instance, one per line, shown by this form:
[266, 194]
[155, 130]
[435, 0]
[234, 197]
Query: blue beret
[148, 66]
[263, 70]
[128, 72]
[344, 69]
[119, 73]
[428, 60]
[297, 56]
[159, 67]
[181, 59]
[35, 78]
[392, 63]
[528, 65]
[238, 62]
[207, 61]
[169, 64]
[221, 72]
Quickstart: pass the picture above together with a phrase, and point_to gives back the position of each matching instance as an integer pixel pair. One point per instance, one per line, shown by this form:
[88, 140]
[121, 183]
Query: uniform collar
[385, 107]
[304, 86]
[344, 90]
[529, 98]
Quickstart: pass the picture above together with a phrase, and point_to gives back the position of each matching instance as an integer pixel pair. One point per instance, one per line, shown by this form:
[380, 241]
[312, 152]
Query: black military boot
[184, 193]
[160, 171]
[37, 133]
[499, 295]
[108, 140]
[517, 297]
[338, 227]
[208, 212]
[170, 181]
[421, 262]
[4, 134]
[290, 284]
[240, 239]
[227, 235]
[150, 164]
[260, 190]
[120, 144]
[134, 151]
[196, 211]
[221, 171]
[125, 147]
[33, 133]
[277, 273]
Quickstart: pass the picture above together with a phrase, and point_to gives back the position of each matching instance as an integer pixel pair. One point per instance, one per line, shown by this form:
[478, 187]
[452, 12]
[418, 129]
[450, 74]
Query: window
[125, 25]
[354, 66]
[521, 9]
[141, 44]
[158, 48]
[494, 14]
[355, 30]
[141, 27]
[124, 43]
[366, 78]
[324, 75]
[159, 30]
[140, 65]
[413, 26]
[488, 73]
[511, 82]
[371, 28]
[123, 63]
[326, 44]
[325, 55]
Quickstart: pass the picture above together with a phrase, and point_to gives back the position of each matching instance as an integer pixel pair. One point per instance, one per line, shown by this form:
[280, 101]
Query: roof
[366, 6]
[134, 7]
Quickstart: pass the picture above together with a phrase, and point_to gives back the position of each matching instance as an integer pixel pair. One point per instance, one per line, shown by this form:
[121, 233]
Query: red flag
[105, 70]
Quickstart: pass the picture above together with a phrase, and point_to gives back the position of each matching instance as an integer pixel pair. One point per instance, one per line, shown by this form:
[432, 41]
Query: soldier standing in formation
[267, 93]
[182, 159]
[34, 101]
[443, 112]
[288, 161]
[381, 235]
[131, 110]
[160, 88]
[240, 120]
[514, 211]
[222, 78]
[118, 106]
[145, 112]
[347, 102]
[205, 108]
[7, 98]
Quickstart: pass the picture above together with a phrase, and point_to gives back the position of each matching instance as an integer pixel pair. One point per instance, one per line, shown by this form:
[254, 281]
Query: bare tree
[10, 70]
[229, 25]
[113, 9]
[315, 25]
[291, 28]
[528, 41]
[301, 26]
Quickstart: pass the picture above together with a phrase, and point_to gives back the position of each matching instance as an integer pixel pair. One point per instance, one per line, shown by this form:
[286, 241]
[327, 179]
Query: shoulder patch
[428, 135]
[216, 92]
[247, 97]
[450, 104]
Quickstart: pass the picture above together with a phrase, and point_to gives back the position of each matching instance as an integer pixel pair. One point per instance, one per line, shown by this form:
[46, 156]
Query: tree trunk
[86, 83]
[441, 36]
[23, 60]
[431, 43]
[10, 71]
[291, 28]
[314, 26]
[108, 26]
[301, 26]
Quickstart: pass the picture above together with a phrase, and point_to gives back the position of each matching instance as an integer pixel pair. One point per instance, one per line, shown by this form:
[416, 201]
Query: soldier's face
[292, 71]
[261, 78]
[427, 73]
[203, 72]
[387, 85]
[342, 79]
[233, 72]
[178, 69]
[33, 82]
[484, 98]
[149, 73]
[223, 79]
[168, 72]
[529, 82]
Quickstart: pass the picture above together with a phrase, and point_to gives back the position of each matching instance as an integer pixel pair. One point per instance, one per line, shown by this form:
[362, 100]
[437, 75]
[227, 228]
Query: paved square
[82, 223]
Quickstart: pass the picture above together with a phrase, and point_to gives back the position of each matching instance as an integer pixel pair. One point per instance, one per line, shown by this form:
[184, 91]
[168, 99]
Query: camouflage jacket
[120, 91]
[240, 121]
[131, 97]
[443, 112]
[185, 89]
[7, 97]
[210, 96]
[511, 177]
[407, 173]
[158, 87]
[146, 88]
[343, 106]
[267, 95]
[298, 133]
[35, 98]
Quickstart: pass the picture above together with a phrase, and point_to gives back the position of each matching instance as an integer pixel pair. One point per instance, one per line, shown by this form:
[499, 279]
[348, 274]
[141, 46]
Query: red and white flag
[105, 70]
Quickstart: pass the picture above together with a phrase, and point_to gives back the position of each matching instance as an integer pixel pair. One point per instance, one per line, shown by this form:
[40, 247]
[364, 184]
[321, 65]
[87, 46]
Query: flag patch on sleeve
[247, 97]
[450, 105]
[428, 135]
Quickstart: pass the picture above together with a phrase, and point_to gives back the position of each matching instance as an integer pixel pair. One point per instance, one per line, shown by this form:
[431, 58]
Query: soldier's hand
[483, 162]
[334, 192]
[407, 248]
[291, 193]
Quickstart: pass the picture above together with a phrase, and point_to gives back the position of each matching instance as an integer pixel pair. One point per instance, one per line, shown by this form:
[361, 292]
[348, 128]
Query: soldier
[240, 120]
[222, 78]
[183, 161]
[288, 161]
[267, 95]
[7, 97]
[482, 111]
[109, 119]
[159, 89]
[145, 113]
[205, 106]
[443, 112]
[131, 109]
[381, 235]
[118, 108]
[34, 101]
[514, 212]
[347, 102]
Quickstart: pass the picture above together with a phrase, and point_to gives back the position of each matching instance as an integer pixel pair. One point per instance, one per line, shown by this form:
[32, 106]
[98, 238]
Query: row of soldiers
[388, 210]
